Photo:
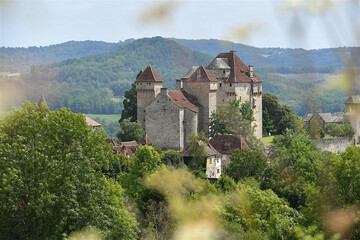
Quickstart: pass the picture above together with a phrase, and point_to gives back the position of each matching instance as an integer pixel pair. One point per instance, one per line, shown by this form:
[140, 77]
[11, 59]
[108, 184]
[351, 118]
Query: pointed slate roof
[149, 75]
[190, 72]
[328, 117]
[201, 75]
[218, 63]
[181, 100]
[239, 71]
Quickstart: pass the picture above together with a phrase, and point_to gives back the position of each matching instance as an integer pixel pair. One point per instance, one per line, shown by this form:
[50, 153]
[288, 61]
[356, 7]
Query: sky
[308, 24]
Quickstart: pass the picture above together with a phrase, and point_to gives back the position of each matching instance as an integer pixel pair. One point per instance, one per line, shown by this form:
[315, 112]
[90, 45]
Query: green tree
[130, 131]
[145, 161]
[233, 118]
[251, 213]
[348, 175]
[291, 122]
[268, 124]
[197, 150]
[172, 158]
[292, 160]
[348, 130]
[276, 111]
[51, 183]
[129, 113]
[246, 163]
[314, 129]
[334, 130]
[225, 183]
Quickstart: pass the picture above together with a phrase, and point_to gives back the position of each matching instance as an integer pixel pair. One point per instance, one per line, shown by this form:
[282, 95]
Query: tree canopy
[52, 183]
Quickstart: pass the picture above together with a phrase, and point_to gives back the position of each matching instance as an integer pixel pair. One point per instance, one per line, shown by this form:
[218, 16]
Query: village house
[213, 160]
[226, 145]
[170, 117]
[324, 118]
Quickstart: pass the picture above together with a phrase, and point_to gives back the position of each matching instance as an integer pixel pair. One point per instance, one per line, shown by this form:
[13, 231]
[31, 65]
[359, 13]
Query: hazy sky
[273, 23]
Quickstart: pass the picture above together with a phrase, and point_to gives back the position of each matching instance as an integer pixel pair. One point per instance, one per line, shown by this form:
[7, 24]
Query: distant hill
[92, 76]
[277, 57]
[89, 84]
[21, 59]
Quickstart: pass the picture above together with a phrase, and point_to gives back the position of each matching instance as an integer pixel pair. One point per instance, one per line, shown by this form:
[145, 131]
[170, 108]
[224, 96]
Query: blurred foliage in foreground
[58, 180]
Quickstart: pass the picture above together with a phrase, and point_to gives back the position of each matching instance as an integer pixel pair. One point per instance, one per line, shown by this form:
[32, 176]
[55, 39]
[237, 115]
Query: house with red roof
[226, 145]
[170, 117]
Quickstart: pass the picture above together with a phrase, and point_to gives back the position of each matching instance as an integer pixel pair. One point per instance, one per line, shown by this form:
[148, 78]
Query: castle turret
[148, 86]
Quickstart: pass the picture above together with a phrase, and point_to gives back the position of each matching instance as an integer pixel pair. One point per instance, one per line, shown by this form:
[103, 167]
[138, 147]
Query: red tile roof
[91, 122]
[130, 143]
[178, 97]
[239, 71]
[226, 144]
[149, 75]
[201, 75]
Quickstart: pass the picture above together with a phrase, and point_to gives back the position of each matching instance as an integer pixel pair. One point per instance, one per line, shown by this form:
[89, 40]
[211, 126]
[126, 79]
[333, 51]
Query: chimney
[164, 91]
[233, 55]
[251, 71]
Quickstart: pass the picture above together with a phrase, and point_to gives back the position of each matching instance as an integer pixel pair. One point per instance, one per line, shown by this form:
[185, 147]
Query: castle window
[224, 71]
[220, 84]
[144, 110]
[230, 84]
[210, 160]
[218, 171]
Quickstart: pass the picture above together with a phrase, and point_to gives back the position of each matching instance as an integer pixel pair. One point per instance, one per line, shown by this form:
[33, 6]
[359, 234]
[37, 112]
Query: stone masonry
[169, 117]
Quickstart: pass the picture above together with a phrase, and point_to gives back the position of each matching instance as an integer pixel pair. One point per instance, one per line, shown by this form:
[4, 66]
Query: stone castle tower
[169, 117]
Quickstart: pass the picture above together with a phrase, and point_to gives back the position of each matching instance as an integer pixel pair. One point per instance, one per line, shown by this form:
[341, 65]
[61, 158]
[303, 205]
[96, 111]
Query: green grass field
[106, 117]
[267, 140]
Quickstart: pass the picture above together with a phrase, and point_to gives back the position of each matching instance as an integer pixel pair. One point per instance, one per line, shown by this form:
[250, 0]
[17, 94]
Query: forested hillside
[280, 58]
[21, 59]
[95, 84]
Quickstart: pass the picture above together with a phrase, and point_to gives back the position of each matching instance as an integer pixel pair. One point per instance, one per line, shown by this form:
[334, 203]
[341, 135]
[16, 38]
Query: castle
[169, 117]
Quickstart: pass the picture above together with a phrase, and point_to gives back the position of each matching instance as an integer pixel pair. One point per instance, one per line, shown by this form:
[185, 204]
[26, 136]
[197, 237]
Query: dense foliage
[59, 177]
[51, 178]
[234, 118]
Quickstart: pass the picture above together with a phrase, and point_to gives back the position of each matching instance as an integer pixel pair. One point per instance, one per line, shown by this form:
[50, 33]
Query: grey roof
[308, 116]
[218, 63]
[328, 117]
[190, 72]
[353, 99]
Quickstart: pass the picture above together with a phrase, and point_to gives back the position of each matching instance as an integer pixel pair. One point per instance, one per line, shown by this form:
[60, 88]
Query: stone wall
[190, 125]
[146, 92]
[164, 122]
[335, 145]
[206, 98]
